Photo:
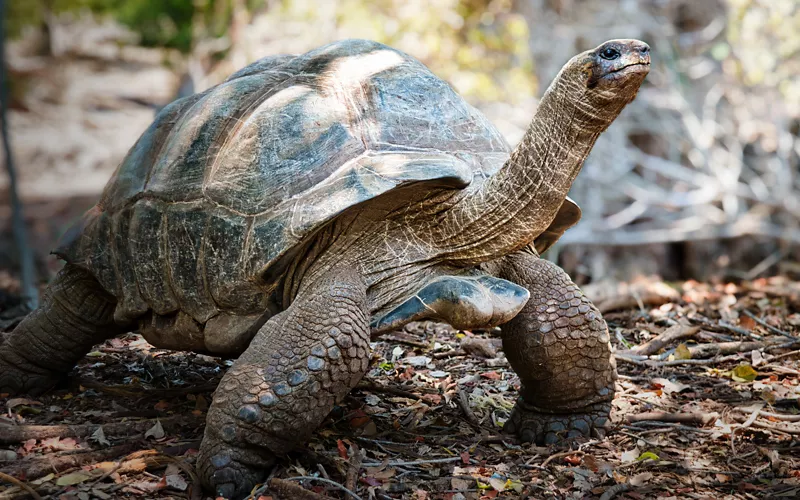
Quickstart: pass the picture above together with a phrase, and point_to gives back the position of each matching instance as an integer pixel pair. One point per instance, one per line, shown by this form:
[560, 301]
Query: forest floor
[706, 407]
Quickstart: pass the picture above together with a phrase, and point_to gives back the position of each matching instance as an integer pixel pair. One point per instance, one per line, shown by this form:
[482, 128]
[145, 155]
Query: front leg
[559, 346]
[300, 364]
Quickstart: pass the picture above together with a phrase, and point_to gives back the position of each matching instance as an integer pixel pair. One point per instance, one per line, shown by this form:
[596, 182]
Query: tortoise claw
[550, 428]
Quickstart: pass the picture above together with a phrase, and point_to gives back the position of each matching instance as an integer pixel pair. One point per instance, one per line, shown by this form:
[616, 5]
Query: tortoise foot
[226, 473]
[531, 425]
[16, 380]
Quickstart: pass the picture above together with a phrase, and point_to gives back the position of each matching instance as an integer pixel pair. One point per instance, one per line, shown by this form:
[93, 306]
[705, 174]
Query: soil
[694, 419]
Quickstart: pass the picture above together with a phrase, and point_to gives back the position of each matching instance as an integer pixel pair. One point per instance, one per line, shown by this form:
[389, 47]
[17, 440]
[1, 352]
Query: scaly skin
[559, 347]
[75, 314]
[301, 363]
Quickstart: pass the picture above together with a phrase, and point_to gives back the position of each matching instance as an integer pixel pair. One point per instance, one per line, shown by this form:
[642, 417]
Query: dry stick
[372, 386]
[615, 490]
[463, 403]
[772, 427]
[777, 416]
[276, 482]
[561, 455]
[39, 467]
[354, 468]
[20, 484]
[448, 354]
[133, 391]
[288, 490]
[401, 463]
[679, 418]
[669, 335]
[30, 295]
[11, 434]
[709, 350]
[768, 326]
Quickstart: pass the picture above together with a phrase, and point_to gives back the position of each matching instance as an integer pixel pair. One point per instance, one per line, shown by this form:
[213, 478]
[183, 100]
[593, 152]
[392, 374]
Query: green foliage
[159, 23]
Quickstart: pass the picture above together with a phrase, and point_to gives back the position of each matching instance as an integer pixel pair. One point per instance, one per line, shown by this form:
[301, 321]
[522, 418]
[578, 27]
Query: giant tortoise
[312, 202]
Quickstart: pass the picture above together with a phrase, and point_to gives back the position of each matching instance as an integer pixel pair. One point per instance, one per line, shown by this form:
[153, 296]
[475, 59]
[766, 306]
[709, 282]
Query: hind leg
[76, 313]
[559, 346]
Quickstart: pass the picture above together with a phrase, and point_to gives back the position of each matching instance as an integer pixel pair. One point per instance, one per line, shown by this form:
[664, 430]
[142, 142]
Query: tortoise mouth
[630, 69]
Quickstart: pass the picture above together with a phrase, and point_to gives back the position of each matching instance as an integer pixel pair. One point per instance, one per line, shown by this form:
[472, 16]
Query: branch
[30, 295]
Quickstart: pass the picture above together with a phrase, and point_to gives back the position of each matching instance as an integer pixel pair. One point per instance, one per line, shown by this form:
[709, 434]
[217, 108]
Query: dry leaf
[640, 479]
[176, 482]
[156, 432]
[682, 352]
[99, 437]
[73, 478]
[744, 373]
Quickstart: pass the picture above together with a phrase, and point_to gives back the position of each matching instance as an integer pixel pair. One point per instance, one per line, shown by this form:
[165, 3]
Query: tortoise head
[609, 74]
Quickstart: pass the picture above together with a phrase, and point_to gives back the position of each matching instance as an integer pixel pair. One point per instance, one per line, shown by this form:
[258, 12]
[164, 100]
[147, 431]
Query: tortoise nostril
[644, 49]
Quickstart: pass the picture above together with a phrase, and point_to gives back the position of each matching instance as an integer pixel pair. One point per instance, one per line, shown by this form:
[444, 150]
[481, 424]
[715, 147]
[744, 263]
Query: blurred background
[697, 179]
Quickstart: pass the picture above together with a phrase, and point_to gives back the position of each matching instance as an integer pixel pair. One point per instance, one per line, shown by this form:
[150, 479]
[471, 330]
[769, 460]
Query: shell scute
[185, 227]
[149, 256]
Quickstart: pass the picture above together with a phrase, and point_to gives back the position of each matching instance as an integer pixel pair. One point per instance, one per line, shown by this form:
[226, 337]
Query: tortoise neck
[519, 202]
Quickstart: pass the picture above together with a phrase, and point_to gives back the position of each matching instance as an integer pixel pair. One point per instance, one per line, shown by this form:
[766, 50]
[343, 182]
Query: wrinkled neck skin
[507, 211]
[400, 241]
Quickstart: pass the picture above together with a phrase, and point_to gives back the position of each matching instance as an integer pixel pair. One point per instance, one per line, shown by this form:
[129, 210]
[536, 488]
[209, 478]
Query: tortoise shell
[225, 183]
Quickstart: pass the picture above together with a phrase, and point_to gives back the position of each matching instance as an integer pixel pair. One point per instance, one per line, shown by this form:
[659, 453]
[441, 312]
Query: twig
[293, 491]
[20, 484]
[740, 331]
[615, 490]
[354, 468]
[287, 490]
[448, 354]
[669, 335]
[372, 386]
[772, 427]
[134, 391]
[401, 463]
[463, 403]
[784, 355]
[752, 418]
[38, 467]
[768, 326]
[777, 416]
[562, 455]
[680, 418]
[11, 434]
[30, 294]
[679, 427]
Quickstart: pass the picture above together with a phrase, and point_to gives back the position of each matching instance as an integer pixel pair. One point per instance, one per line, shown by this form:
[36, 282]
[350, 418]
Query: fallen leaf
[744, 373]
[7, 455]
[156, 432]
[161, 405]
[358, 419]
[648, 455]
[630, 455]
[573, 459]
[492, 375]
[72, 478]
[14, 402]
[176, 482]
[479, 347]
[99, 437]
[640, 479]
[682, 352]
[200, 403]
[670, 387]
[342, 449]
[417, 361]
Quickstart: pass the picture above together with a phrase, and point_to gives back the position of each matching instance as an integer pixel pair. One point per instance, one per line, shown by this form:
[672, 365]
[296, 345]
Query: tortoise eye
[609, 53]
